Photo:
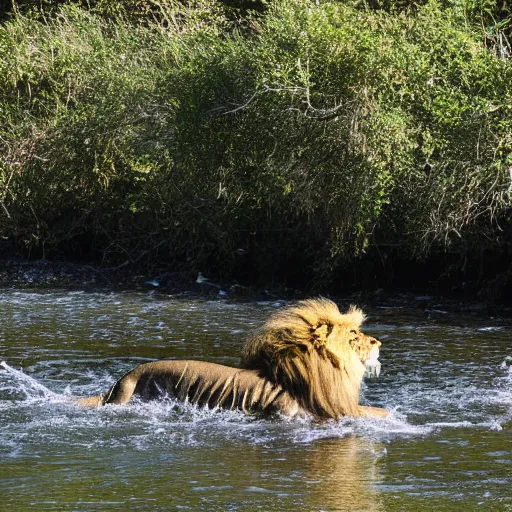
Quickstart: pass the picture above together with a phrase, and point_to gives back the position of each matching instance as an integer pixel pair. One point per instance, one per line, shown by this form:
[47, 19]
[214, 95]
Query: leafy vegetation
[283, 146]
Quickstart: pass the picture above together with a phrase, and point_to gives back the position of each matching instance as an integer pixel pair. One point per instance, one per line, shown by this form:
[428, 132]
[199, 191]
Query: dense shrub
[323, 131]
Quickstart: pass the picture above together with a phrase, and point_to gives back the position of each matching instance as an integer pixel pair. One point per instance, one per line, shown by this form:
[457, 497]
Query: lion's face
[366, 347]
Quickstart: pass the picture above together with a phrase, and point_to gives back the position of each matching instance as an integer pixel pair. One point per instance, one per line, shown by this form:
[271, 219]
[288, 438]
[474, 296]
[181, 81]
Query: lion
[308, 359]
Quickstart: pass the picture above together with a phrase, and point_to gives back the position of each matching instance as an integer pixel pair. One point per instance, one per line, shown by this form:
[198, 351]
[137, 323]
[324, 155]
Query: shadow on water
[445, 447]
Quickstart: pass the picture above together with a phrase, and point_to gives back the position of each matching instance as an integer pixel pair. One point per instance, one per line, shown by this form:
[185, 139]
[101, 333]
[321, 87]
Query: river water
[447, 445]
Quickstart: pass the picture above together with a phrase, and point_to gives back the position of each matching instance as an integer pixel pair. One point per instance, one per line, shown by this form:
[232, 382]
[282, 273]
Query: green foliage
[325, 130]
[72, 119]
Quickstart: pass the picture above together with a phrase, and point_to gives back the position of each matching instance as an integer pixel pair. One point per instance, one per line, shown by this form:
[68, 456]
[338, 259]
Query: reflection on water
[445, 447]
[341, 475]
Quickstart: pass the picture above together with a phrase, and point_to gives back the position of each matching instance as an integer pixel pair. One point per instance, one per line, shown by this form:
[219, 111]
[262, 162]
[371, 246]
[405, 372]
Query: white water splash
[30, 387]
[167, 415]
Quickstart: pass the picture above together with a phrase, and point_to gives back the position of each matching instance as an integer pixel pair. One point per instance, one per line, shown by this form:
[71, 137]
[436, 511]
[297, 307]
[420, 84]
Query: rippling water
[447, 445]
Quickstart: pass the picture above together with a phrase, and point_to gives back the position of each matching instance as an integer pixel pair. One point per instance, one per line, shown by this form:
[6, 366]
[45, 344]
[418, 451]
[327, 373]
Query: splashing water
[26, 385]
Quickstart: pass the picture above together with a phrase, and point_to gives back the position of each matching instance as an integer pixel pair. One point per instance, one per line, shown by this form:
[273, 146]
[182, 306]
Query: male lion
[306, 359]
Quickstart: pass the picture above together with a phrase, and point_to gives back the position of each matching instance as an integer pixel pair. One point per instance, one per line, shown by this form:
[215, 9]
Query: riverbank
[44, 275]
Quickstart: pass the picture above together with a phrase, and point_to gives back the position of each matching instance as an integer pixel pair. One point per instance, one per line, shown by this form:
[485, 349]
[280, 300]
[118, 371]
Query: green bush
[341, 129]
[73, 115]
[320, 132]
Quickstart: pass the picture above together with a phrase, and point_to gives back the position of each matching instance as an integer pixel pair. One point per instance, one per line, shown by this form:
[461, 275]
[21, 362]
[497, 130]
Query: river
[447, 445]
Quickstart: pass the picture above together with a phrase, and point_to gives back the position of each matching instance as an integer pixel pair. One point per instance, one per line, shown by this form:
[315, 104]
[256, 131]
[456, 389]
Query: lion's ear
[319, 335]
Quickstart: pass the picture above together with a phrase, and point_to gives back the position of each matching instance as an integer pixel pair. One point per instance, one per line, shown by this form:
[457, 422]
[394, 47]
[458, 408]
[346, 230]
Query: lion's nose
[376, 342]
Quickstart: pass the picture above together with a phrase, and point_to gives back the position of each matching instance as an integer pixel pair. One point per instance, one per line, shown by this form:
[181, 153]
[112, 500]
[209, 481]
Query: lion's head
[315, 353]
[367, 349]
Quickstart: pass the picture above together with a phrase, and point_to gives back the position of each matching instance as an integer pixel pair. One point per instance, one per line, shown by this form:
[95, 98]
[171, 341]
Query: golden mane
[305, 348]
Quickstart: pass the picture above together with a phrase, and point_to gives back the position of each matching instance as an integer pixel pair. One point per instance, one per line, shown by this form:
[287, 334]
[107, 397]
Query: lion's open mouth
[372, 364]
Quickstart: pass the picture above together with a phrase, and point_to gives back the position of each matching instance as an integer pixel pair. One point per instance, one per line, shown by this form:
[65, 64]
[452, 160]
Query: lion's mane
[306, 349]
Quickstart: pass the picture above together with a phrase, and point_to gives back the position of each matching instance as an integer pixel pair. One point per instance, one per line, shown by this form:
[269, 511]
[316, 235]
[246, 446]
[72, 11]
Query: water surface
[447, 445]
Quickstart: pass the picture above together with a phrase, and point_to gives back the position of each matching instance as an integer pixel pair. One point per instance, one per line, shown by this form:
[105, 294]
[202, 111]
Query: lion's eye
[353, 331]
